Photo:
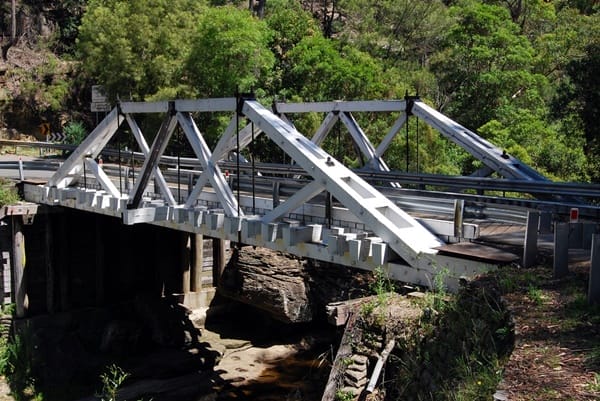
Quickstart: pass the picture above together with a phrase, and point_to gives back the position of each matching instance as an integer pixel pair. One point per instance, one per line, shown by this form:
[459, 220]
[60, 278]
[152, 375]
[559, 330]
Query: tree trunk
[13, 31]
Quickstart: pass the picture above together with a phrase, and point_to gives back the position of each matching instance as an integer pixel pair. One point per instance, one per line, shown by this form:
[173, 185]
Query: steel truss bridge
[380, 233]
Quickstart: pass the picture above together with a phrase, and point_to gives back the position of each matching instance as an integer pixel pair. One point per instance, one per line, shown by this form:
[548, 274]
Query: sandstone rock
[356, 374]
[360, 359]
[270, 281]
[360, 384]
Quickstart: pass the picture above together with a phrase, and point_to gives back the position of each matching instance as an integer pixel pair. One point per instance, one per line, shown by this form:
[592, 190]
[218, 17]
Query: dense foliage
[524, 74]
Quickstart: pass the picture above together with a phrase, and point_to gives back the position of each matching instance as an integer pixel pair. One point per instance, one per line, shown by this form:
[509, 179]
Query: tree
[580, 96]
[322, 70]
[230, 50]
[136, 48]
[397, 30]
[13, 31]
[485, 64]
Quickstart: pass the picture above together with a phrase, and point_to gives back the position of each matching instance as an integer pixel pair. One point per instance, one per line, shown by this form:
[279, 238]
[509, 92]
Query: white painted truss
[388, 237]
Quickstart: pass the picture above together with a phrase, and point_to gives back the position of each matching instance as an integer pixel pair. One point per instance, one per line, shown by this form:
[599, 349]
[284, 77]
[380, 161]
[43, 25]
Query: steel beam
[342, 106]
[489, 154]
[183, 105]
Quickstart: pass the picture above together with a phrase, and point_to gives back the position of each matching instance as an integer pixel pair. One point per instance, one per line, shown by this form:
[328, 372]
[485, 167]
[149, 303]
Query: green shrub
[8, 193]
[74, 132]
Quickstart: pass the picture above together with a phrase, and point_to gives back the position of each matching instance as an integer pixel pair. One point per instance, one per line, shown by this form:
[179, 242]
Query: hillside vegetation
[522, 73]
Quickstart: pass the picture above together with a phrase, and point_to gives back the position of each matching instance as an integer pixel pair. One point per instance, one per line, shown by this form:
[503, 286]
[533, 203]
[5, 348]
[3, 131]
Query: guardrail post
[21, 172]
[561, 249]
[157, 191]
[127, 183]
[545, 223]
[459, 208]
[594, 280]
[190, 184]
[576, 235]
[275, 194]
[531, 237]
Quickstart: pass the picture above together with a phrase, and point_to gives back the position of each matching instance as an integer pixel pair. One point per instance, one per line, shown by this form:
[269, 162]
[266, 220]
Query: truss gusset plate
[91, 146]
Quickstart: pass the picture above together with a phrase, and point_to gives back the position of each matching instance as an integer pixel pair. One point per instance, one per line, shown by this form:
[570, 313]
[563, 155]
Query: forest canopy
[523, 74]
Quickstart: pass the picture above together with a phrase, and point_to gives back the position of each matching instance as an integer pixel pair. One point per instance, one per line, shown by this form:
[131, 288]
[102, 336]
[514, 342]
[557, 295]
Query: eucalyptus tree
[396, 30]
[485, 63]
[136, 48]
[229, 51]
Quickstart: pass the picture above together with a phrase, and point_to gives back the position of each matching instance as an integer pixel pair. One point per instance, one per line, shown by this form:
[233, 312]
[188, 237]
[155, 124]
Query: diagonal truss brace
[151, 163]
[363, 143]
[293, 202]
[326, 126]
[160, 179]
[403, 233]
[212, 172]
[387, 140]
[70, 171]
[102, 178]
[488, 153]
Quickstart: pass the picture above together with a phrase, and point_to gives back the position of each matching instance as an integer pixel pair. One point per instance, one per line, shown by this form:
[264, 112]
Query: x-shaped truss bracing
[494, 158]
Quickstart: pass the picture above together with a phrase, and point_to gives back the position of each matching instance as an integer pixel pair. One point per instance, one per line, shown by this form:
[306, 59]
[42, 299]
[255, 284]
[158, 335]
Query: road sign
[98, 95]
[44, 129]
[55, 137]
[100, 107]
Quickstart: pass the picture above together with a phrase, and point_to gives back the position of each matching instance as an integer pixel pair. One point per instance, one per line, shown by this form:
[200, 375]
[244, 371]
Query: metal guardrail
[478, 184]
[426, 191]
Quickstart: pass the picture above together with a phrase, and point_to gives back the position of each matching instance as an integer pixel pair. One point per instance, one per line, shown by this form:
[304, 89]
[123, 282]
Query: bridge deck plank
[478, 251]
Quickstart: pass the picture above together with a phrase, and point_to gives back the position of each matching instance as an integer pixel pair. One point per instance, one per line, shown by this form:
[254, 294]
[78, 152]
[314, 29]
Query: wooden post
[197, 262]
[50, 266]
[99, 260]
[186, 249]
[344, 352]
[218, 260]
[459, 208]
[594, 281]
[531, 237]
[18, 258]
[63, 267]
[561, 250]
